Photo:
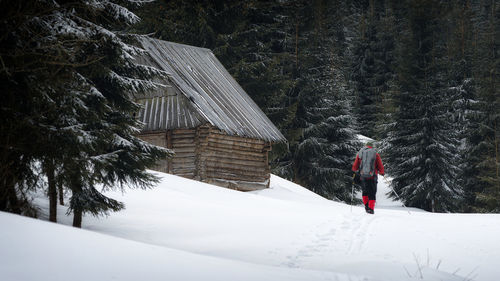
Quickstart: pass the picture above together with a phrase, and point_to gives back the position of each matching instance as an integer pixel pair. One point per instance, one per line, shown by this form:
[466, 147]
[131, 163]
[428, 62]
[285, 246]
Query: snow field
[189, 230]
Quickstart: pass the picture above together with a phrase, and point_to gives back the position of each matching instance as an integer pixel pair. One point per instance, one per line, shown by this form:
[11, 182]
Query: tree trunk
[49, 169]
[3, 194]
[77, 218]
[61, 194]
[75, 201]
[9, 201]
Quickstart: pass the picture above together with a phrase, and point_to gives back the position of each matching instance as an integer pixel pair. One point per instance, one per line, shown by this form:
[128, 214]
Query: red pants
[369, 188]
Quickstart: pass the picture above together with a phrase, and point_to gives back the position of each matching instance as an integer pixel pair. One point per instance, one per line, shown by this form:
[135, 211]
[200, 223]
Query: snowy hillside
[187, 230]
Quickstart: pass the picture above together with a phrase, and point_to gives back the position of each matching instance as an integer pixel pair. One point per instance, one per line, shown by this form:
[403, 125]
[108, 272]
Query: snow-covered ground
[187, 230]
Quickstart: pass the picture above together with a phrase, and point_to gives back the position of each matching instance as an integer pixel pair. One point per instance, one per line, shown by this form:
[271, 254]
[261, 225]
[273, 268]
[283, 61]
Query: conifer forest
[420, 77]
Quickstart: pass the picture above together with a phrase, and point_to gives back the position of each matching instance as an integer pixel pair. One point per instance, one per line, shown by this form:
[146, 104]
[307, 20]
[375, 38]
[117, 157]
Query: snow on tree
[421, 148]
[322, 153]
[79, 79]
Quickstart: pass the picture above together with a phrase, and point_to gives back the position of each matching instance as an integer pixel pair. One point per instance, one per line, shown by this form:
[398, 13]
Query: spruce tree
[363, 73]
[484, 144]
[321, 154]
[465, 104]
[79, 79]
[372, 62]
[421, 147]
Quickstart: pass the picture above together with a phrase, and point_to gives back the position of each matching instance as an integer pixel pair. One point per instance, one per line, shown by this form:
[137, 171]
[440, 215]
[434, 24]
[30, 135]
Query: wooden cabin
[219, 135]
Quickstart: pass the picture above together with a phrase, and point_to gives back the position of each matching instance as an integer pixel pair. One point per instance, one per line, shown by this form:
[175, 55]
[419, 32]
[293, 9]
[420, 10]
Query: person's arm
[380, 166]
[355, 166]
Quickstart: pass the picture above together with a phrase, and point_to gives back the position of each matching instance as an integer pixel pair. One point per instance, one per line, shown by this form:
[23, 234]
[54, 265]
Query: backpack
[367, 167]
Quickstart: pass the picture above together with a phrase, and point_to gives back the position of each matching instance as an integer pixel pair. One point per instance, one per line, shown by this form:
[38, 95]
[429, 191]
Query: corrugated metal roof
[169, 111]
[209, 94]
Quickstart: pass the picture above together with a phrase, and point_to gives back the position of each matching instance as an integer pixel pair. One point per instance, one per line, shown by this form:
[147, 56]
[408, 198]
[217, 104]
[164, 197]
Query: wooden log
[234, 147]
[154, 138]
[237, 170]
[184, 135]
[239, 185]
[213, 150]
[184, 141]
[187, 139]
[183, 131]
[183, 171]
[184, 161]
[254, 160]
[229, 165]
[184, 154]
[237, 162]
[251, 186]
[177, 145]
[221, 136]
[212, 174]
[184, 164]
[240, 144]
[229, 176]
[179, 150]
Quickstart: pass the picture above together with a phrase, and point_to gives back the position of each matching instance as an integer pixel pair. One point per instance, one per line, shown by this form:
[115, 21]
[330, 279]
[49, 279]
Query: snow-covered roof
[203, 92]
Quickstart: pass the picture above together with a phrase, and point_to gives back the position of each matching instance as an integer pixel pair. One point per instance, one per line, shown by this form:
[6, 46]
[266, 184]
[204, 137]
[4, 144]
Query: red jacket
[379, 167]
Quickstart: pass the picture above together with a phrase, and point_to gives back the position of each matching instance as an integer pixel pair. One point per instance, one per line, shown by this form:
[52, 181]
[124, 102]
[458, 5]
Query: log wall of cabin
[159, 139]
[184, 145]
[235, 162]
[209, 155]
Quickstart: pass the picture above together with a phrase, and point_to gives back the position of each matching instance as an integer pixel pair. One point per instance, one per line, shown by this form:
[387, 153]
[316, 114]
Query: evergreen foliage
[372, 63]
[288, 56]
[78, 79]
[422, 76]
[463, 86]
[422, 146]
[484, 139]
[321, 154]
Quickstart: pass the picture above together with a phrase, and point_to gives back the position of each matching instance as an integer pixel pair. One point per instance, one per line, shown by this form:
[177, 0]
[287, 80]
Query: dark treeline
[421, 77]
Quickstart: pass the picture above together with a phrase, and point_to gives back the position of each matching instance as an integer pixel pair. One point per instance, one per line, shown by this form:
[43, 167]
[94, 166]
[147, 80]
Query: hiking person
[369, 164]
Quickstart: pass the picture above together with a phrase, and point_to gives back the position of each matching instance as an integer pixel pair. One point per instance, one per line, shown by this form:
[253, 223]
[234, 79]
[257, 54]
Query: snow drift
[187, 230]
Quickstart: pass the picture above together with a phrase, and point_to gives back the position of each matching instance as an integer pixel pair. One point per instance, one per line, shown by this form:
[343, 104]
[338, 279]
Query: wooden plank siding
[236, 162]
[207, 154]
[159, 139]
[184, 146]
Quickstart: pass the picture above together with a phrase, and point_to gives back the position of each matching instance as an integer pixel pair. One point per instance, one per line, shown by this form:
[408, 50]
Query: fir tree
[79, 78]
[484, 143]
[421, 148]
[372, 64]
[320, 157]
[463, 92]
[363, 76]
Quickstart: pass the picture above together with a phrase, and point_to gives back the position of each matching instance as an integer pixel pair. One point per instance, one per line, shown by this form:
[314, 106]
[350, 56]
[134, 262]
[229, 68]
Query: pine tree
[421, 148]
[463, 92]
[79, 78]
[321, 154]
[364, 68]
[372, 63]
[484, 143]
